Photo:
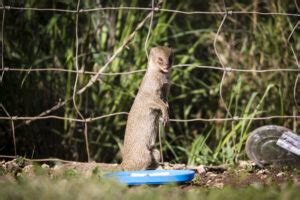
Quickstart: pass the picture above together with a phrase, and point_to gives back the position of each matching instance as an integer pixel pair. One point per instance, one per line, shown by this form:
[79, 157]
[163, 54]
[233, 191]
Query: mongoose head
[160, 59]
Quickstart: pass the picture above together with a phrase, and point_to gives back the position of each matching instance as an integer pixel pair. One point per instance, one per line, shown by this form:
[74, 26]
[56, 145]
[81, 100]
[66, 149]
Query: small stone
[218, 185]
[263, 171]
[160, 167]
[11, 166]
[45, 166]
[264, 176]
[179, 166]
[28, 170]
[280, 174]
[246, 164]
[297, 181]
[200, 169]
[210, 174]
[57, 167]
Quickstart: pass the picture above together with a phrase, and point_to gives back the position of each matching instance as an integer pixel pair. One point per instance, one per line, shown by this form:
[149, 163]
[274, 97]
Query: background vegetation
[83, 188]
[47, 39]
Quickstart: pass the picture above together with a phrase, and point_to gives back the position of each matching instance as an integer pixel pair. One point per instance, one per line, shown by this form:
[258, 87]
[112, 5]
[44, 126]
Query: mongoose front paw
[167, 105]
[165, 119]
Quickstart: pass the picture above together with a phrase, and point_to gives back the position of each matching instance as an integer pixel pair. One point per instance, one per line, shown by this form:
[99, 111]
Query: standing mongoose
[151, 103]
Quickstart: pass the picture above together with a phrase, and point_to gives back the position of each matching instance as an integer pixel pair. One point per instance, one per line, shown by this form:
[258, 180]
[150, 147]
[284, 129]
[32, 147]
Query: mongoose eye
[160, 61]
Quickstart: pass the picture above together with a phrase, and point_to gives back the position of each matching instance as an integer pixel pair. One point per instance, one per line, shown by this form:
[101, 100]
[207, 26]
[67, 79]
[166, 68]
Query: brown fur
[149, 105]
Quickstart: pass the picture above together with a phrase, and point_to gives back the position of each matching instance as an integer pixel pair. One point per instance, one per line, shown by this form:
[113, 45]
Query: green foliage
[47, 40]
[89, 188]
[70, 173]
[2, 171]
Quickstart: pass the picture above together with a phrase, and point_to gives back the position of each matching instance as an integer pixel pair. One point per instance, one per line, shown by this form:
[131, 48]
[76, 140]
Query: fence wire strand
[296, 60]
[2, 43]
[84, 72]
[87, 10]
[95, 76]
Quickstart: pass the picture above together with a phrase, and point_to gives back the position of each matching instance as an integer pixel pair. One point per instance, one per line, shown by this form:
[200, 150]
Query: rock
[45, 166]
[280, 174]
[218, 185]
[173, 166]
[12, 166]
[297, 181]
[199, 169]
[57, 167]
[28, 170]
[263, 171]
[264, 176]
[246, 164]
[210, 174]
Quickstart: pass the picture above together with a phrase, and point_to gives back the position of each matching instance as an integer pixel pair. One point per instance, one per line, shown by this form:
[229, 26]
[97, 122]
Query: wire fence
[155, 9]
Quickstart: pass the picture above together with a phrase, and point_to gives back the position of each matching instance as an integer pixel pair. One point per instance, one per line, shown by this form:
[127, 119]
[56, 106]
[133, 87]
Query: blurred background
[43, 39]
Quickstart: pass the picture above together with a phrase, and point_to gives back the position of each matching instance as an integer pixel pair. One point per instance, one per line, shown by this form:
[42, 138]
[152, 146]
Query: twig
[149, 30]
[40, 160]
[119, 50]
[95, 77]
[12, 128]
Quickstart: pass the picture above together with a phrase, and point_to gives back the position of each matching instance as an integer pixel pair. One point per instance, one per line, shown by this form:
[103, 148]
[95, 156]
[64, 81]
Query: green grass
[94, 188]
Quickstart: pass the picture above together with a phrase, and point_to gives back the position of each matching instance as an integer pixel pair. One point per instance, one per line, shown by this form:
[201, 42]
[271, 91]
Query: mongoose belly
[142, 126]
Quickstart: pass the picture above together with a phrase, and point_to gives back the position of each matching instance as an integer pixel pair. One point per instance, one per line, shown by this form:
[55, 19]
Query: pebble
[200, 169]
[280, 174]
[218, 185]
[263, 171]
[45, 166]
[210, 174]
[244, 164]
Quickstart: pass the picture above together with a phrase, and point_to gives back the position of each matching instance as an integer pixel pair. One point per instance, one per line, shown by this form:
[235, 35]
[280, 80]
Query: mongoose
[151, 103]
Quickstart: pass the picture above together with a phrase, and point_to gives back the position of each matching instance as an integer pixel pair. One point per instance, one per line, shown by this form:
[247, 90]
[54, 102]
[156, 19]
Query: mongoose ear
[152, 52]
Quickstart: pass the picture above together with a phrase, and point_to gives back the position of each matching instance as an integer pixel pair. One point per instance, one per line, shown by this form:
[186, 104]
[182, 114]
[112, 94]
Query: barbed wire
[84, 72]
[87, 10]
[92, 119]
[45, 115]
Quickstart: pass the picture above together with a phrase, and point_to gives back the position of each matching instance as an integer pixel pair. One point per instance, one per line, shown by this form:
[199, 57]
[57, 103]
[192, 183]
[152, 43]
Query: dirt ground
[245, 174]
[241, 177]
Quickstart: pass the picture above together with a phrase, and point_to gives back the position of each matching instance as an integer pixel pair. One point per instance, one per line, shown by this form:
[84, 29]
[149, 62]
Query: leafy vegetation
[90, 188]
[34, 39]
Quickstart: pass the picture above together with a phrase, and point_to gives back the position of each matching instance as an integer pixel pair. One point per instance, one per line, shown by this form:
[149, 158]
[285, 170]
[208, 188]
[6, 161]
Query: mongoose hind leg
[141, 162]
[155, 158]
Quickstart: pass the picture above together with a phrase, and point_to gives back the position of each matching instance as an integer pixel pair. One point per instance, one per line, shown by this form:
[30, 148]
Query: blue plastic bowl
[152, 177]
